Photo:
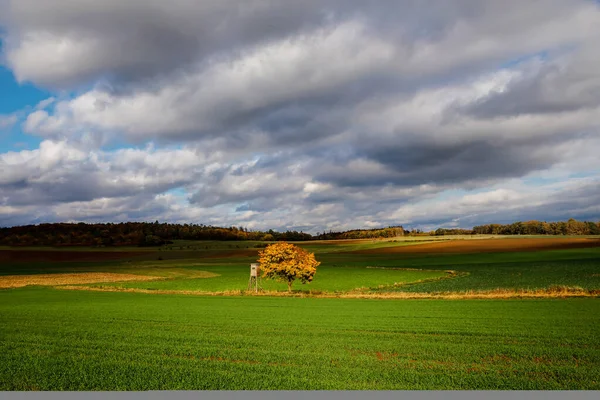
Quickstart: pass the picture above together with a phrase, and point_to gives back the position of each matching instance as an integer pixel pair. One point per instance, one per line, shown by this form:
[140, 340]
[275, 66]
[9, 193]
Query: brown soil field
[14, 281]
[487, 246]
[64, 256]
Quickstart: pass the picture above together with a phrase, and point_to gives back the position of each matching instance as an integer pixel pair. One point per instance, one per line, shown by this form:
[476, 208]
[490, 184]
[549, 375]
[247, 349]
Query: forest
[571, 227]
[156, 234]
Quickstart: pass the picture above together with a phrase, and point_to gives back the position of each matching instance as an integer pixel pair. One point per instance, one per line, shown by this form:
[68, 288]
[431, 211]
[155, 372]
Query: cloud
[321, 115]
[59, 172]
[8, 121]
[45, 103]
[549, 202]
[563, 85]
[85, 40]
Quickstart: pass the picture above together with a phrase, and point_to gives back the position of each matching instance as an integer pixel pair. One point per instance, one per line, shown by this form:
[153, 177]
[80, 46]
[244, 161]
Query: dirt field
[14, 281]
[64, 255]
[487, 246]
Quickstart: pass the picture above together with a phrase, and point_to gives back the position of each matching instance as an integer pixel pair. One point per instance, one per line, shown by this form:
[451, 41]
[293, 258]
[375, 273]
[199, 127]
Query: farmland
[192, 326]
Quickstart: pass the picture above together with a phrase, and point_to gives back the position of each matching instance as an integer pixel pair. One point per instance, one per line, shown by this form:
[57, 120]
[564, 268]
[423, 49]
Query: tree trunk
[290, 286]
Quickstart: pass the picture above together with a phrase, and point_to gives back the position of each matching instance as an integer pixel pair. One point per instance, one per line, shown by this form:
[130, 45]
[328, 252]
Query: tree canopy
[286, 262]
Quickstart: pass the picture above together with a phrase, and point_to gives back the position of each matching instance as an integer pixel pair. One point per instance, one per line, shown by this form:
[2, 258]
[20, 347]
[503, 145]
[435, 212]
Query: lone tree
[285, 262]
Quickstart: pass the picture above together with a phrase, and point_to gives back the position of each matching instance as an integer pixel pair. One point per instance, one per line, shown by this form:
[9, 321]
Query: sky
[307, 115]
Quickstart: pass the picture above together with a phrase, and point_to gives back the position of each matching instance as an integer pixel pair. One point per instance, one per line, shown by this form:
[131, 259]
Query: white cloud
[8, 121]
[45, 103]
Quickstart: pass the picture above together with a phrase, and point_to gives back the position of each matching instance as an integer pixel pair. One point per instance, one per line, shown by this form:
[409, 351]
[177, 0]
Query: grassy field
[341, 271]
[527, 270]
[331, 279]
[64, 340]
[86, 340]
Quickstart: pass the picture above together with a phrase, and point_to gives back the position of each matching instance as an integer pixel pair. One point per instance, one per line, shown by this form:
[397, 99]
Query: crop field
[193, 326]
[66, 340]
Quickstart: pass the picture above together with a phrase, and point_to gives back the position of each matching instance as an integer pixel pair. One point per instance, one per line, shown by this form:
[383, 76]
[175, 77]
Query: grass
[67, 340]
[518, 275]
[528, 270]
[329, 279]
[93, 340]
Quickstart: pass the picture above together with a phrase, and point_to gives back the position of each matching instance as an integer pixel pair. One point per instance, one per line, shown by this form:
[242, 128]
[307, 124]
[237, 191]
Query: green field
[330, 279]
[579, 268]
[64, 340]
[54, 339]
[527, 270]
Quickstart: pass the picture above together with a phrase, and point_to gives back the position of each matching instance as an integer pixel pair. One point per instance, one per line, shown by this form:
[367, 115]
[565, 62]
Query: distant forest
[156, 234]
[571, 227]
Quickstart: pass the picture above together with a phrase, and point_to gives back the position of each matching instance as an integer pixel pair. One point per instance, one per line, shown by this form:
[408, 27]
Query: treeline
[392, 231]
[156, 234]
[571, 227]
[132, 234]
[451, 231]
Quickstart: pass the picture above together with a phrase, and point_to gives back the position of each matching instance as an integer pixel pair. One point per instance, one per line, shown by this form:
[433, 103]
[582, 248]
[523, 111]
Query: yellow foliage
[287, 262]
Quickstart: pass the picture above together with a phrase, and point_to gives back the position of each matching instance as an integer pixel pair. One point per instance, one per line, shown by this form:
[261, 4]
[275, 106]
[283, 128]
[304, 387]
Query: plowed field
[488, 246]
[64, 255]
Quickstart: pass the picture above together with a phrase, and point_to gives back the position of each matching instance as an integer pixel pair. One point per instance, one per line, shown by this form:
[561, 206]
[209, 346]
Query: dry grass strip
[553, 292]
[172, 273]
[15, 281]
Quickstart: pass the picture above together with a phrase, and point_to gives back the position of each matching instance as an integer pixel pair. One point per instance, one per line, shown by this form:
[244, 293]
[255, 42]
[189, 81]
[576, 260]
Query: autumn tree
[286, 262]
